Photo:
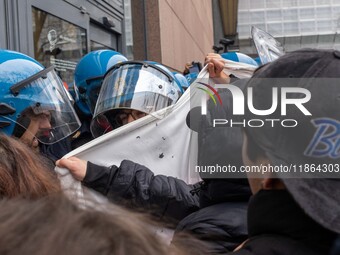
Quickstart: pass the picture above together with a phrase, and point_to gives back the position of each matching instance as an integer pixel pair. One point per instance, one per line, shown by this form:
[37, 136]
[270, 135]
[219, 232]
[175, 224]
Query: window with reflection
[99, 46]
[57, 42]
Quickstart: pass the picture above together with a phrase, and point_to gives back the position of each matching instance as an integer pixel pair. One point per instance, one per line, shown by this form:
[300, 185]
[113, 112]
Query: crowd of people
[258, 213]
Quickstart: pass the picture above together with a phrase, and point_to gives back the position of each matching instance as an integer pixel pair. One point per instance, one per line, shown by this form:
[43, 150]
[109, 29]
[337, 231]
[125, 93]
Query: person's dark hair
[55, 225]
[23, 172]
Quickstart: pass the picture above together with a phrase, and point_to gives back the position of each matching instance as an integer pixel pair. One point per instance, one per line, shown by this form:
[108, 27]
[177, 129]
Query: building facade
[60, 32]
[295, 23]
[172, 32]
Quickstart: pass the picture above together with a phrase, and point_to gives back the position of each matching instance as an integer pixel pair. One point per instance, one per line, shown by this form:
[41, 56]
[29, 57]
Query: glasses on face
[122, 117]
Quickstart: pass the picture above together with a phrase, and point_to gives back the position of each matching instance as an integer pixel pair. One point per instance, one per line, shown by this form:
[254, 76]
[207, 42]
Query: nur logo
[239, 99]
[280, 98]
[211, 95]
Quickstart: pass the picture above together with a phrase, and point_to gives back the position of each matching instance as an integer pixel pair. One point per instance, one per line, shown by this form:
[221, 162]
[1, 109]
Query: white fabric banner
[166, 146]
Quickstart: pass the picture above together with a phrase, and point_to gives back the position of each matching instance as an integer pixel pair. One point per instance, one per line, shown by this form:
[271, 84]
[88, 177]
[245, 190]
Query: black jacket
[221, 220]
[221, 226]
[215, 212]
[135, 185]
[278, 226]
[57, 150]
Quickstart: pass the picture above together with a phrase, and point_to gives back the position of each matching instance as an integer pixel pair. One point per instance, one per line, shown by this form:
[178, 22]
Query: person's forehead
[44, 113]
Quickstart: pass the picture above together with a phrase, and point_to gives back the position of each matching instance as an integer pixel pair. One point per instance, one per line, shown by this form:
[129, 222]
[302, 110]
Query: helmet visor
[132, 85]
[268, 48]
[48, 115]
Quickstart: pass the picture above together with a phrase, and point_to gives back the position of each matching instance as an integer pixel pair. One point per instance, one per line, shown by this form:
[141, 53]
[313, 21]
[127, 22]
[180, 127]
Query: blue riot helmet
[182, 80]
[31, 95]
[258, 61]
[88, 77]
[135, 85]
[177, 81]
[239, 57]
[191, 77]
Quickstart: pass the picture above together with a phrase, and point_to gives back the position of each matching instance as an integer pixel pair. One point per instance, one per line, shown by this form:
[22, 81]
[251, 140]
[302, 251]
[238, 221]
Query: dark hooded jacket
[278, 226]
[213, 210]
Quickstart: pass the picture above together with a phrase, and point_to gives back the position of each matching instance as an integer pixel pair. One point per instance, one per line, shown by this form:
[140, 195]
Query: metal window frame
[56, 8]
[16, 31]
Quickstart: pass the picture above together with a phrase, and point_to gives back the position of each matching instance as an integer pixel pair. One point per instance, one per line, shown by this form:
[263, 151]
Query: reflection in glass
[57, 42]
[98, 46]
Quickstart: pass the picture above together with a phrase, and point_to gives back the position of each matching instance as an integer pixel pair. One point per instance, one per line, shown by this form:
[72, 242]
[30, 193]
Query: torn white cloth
[166, 146]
